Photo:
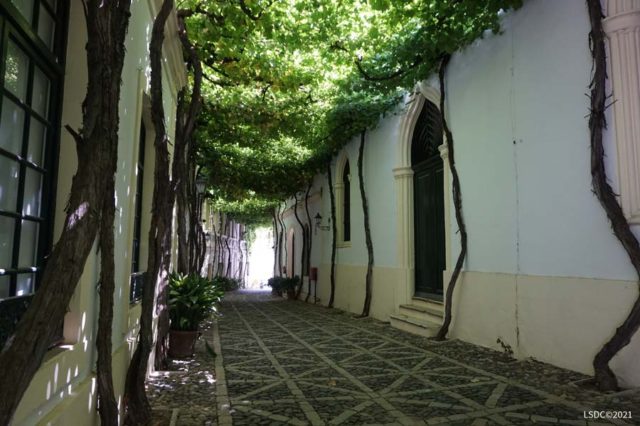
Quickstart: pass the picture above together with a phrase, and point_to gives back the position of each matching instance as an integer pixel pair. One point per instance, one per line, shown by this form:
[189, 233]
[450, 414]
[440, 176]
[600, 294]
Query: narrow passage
[294, 363]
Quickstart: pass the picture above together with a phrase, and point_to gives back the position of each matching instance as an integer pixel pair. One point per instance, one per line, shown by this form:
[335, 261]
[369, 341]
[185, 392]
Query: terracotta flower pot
[182, 343]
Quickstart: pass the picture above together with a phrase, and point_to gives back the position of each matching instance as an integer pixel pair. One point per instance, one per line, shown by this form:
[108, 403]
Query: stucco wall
[379, 159]
[546, 275]
[528, 204]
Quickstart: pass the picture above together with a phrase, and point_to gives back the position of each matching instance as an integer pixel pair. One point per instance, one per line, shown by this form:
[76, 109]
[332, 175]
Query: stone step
[434, 314]
[421, 327]
[428, 303]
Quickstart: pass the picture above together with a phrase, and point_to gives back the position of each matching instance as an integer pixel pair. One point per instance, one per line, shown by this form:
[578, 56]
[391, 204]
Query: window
[31, 76]
[137, 277]
[346, 203]
[427, 135]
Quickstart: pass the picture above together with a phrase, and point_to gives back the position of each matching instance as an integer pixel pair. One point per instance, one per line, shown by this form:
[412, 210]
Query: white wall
[379, 159]
[565, 283]
[380, 152]
[528, 205]
[544, 272]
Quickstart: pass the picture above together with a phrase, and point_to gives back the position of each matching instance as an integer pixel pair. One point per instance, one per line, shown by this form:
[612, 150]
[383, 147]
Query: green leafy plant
[226, 284]
[191, 299]
[279, 285]
[290, 284]
[276, 284]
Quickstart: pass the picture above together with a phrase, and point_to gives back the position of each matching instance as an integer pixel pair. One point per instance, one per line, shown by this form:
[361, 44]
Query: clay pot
[182, 343]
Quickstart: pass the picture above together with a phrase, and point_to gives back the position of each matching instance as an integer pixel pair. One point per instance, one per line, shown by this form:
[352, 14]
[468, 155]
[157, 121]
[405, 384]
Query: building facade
[227, 253]
[544, 276]
[43, 80]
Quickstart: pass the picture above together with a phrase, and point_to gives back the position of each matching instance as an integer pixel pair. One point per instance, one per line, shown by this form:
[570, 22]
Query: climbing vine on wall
[604, 377]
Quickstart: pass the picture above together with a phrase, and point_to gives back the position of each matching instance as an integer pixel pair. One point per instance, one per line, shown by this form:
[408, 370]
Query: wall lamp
[319, 225]
[201, 185]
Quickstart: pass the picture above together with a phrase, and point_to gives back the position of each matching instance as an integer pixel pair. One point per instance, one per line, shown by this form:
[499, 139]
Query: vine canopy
[287, 83]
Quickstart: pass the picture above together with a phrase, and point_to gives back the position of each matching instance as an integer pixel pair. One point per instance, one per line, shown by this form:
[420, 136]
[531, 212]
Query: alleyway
[293, 363]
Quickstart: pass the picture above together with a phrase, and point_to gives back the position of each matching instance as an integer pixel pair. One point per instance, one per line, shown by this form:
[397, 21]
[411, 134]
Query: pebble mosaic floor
[280, 362]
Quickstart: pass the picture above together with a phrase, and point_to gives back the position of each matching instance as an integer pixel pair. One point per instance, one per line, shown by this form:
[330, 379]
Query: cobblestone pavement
[282, 362]
[186, 395]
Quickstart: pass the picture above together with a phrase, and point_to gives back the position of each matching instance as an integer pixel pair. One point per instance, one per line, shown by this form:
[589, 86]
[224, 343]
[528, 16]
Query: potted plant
[226, 284]
[276, 285]
[192, 299]
[289, 285]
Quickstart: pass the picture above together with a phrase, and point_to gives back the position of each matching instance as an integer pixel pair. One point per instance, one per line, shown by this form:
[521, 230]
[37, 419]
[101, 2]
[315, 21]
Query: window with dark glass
[427, 135]
[137, 275]
[31, 76]
[346, 203]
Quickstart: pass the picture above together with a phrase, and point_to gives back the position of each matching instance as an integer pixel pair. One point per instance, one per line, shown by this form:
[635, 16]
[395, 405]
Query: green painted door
[428, 190]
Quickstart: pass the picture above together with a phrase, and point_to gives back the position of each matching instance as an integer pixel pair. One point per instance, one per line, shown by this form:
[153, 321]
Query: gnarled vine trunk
[196, 232]
[107, 406]
[604, 377]
[457, 204]
[181, 183]
[184, 162]
[304, 245]
[213, 241]
[276, 243]
[283, 240]
[95, 144]
[220, 253]
[367, 230]
[159, 257]
[229, 271]
[309, 241]
[334, 237]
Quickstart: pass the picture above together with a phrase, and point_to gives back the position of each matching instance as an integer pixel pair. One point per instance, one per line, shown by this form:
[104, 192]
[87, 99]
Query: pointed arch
[403, 175]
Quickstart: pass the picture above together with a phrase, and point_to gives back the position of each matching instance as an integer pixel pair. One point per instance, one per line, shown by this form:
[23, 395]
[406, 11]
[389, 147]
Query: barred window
[31, 75]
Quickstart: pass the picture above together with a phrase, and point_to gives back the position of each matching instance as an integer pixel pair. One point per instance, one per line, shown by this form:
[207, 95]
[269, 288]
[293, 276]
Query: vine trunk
[605, 379]
[367, 230]
[138, 410]
[309, 241]
[334, 237]
[304, 246]
[457, 204]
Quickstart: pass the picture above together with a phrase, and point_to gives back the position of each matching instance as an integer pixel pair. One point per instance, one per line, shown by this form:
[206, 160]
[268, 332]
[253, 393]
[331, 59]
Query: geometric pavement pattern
[295, 363]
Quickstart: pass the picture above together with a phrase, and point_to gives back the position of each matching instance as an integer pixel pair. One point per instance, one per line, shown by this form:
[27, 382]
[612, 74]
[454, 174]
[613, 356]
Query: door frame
[403, 176]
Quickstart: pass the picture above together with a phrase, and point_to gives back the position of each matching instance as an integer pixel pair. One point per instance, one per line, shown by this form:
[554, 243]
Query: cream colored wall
[63, 390]
[350, 289]
[558, 320]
